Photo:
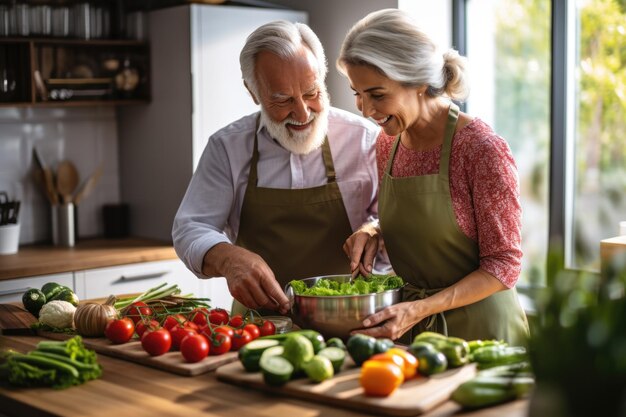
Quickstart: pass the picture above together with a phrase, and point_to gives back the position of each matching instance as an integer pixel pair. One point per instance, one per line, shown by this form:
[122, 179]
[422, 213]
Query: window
[508, 46]
[596, 89]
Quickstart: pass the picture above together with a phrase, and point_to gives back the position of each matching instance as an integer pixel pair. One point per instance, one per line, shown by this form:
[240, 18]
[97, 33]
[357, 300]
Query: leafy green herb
[361, 285]
[55, 364]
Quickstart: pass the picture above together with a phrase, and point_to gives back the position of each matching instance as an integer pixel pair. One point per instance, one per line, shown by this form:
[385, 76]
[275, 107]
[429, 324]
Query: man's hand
[250, 280]
[361, 248]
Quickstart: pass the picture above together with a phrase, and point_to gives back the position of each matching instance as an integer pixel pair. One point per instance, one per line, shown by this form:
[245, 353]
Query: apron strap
[331, 176]
[391, 156]
[252, 175]
[444, 159]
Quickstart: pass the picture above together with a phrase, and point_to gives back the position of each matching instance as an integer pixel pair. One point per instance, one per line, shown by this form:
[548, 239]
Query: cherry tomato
[178, 333]
[199, 316]
[253, 329]
[227, 330]
[156, 342]
[218, 316]
[240, 339]
[138, 311]
[173, 320]
[236, 321]
[119, 330]
[194, 348]
[145, 324]
[267, 328]
[220, 343]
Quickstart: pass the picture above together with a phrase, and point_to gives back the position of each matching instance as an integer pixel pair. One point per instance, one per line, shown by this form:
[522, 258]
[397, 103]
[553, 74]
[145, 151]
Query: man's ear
[251, 93]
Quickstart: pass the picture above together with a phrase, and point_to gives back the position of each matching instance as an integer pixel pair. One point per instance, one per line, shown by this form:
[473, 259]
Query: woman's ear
[421, 91]
[251, 93]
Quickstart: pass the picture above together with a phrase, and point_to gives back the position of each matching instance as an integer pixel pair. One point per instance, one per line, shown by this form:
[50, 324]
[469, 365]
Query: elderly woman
[449, 206]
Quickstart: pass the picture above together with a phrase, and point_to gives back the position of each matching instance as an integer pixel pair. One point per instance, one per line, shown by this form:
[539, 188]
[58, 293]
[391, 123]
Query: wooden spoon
[67, 180]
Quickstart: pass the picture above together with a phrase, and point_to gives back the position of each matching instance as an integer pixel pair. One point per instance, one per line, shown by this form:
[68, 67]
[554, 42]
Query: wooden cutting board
[132, 351]
[15, 319]
[412, 398]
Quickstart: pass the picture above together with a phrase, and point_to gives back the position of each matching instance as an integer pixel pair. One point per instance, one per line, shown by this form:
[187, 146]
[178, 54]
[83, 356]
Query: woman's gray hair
[284, 39]
[391, 42]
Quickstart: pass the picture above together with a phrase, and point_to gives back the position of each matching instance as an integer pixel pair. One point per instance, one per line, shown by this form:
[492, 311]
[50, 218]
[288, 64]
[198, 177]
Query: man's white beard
[299, 142]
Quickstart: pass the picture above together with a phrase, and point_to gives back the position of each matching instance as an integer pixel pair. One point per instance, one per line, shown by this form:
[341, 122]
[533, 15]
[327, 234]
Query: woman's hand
[361, 248]
[393, 321]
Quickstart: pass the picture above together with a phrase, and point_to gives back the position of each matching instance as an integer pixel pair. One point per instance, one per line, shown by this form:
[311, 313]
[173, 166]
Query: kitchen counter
[130, 390]
[33, 260]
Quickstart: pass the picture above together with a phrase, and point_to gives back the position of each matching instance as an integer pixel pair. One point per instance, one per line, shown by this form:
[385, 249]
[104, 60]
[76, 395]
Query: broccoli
[55, 364]
[360, 285]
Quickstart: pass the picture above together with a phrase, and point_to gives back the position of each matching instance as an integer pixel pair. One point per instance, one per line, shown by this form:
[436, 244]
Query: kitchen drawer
[12, 289]
[134, 278]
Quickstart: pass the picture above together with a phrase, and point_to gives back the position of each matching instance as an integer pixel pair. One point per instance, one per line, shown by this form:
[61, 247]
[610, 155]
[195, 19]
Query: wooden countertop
[131, 390]
[32, 260]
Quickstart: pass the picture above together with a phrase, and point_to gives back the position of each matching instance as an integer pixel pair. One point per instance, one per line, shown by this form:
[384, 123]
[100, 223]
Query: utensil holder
[9, 239]
[63, 230]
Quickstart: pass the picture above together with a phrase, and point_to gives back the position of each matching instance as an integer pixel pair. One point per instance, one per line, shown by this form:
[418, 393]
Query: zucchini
[64, 294]
[33, 300]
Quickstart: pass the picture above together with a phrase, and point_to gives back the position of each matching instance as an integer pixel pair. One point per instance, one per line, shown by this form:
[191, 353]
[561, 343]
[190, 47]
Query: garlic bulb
[90, 319]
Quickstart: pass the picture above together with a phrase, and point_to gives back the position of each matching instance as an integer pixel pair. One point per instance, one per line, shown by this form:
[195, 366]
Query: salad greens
[360, 285]
[53, 363]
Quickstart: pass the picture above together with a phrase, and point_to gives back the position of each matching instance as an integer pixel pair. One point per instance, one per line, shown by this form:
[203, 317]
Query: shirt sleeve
[494, 185]
[202, 216]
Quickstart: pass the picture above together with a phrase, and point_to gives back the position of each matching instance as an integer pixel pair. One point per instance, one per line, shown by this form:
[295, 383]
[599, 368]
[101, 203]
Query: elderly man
[276, 193]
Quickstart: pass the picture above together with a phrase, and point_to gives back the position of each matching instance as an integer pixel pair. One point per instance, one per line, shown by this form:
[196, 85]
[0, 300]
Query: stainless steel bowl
[336, 316]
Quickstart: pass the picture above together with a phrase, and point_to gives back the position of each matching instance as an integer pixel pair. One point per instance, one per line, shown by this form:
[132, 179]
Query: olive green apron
[299, 232]
[427, 248]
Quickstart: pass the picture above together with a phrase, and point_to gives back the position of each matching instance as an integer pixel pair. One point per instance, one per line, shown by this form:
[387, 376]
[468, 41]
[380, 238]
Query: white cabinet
[134, 278]
[12, 290]
[139, 277]
[196, 90]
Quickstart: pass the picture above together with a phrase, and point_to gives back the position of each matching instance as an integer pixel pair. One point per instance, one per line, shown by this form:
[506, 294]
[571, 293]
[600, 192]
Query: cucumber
[276, 370]
[273, 351]
[250, 354]
[33, 300]
[336, 355]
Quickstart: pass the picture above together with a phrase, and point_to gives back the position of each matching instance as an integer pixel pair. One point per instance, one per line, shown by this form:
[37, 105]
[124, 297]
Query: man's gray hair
[284, 39]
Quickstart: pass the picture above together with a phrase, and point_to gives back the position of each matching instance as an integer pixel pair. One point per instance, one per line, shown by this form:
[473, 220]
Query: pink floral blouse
[484, 188]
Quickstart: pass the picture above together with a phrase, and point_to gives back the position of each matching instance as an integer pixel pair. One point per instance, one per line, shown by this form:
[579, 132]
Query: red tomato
[194, 348]
[199, 316]
[119, 330]
[267, 328]
[178, 333]
[241, 338]
[138, 311]
[173, 320]
[227, 330]
[236, 321]
[156, 342]
[218, 316]
[253, 329]
[220, 343]
[145, 324]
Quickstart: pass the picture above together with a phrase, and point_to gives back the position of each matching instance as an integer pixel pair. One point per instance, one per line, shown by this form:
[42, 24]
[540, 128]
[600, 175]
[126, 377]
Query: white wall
[331, 20]
[85, 136]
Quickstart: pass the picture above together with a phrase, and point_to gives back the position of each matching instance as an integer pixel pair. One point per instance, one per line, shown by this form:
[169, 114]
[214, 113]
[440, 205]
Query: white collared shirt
[210, 210]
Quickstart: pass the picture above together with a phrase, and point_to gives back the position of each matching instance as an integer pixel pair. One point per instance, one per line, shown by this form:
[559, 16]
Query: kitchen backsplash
[86, 136]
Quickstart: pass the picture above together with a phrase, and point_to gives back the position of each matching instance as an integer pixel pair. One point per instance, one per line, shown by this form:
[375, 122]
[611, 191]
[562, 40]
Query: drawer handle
[15, 291]
[143, 276]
